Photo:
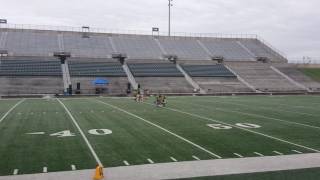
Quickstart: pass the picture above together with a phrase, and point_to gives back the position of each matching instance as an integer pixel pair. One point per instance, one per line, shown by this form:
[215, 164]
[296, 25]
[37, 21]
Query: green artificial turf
[141, 131]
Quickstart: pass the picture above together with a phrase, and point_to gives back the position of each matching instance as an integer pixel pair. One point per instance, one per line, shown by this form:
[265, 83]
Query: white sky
[292, 26]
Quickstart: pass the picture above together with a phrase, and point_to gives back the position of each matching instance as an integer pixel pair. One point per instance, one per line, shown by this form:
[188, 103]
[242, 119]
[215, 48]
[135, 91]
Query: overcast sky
[292, 26]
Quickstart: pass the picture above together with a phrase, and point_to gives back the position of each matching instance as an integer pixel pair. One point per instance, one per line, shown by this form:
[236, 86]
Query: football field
[49, 135]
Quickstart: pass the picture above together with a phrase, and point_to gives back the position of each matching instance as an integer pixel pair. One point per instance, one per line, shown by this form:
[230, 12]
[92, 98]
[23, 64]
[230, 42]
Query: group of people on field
[161, 100]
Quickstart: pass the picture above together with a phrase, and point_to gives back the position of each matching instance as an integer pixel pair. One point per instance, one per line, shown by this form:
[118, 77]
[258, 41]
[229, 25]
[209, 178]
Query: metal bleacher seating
[137, 47]
[96, 69]
[187, 49]
[28, 43]
[207, 71]
[94, 46]
[154, 70]
[229, 49]
[30, 68]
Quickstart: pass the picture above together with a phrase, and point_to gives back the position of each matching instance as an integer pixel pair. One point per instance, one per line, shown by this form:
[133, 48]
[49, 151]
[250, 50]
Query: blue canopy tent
[100, 82]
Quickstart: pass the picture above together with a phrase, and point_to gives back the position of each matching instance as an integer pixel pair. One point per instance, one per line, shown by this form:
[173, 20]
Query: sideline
[187, 169]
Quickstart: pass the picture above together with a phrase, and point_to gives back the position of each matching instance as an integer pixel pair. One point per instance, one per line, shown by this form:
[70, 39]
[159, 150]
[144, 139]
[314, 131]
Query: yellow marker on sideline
[98, 175]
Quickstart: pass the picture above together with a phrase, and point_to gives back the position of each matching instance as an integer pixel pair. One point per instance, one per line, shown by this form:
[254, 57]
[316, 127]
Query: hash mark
[195, 157]
[173, 159]
[150, 161]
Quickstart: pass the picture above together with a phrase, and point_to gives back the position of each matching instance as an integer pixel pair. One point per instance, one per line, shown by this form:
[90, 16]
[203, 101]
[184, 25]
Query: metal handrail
[127, 32]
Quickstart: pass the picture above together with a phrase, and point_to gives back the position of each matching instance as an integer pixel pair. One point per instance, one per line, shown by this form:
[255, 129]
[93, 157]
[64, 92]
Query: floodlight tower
[170, 5]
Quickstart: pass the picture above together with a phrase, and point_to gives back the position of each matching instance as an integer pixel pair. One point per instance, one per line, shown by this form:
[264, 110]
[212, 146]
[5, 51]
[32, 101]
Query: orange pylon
[98, 175]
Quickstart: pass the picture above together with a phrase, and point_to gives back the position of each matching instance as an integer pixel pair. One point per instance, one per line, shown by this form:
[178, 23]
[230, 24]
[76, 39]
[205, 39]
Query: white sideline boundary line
[155, 125]
[248, 130]
[82, 134]
[256, 115]
[11, 109]
[259, 154]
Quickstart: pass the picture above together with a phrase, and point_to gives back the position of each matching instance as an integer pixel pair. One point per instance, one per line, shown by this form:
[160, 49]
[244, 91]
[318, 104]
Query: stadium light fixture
[170, 5]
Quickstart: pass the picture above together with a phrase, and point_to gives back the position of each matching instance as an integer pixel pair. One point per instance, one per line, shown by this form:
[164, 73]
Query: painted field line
[237, 103]
[11, 109]
[259, 154]
[277, 152]
[196, 158]
[15, 171]
[173, 159]
[266, 117]
[82, 134]
[150, 161]
[239, 155]
[237, 127]
[73, 167]
[45, 170]
[257, 115]
[297, 151]
[155, 125]
[126, 163]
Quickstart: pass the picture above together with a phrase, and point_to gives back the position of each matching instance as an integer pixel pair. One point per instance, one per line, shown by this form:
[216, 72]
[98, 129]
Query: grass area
[303, 174]
[314, 73]
[122, 131]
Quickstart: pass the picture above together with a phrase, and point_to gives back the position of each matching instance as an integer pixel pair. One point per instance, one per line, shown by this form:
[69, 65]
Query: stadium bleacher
[154, 70]
[207, 71]
[229, 49]
[187, 49]
[96, 69]
[30, 61]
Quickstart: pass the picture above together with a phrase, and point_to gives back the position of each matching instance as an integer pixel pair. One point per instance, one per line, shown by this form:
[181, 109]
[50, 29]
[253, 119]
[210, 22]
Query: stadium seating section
[30, 68]
[208, 71]
[154, 70]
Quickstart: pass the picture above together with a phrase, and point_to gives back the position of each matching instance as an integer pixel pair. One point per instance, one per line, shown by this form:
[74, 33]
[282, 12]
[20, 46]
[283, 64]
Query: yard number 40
[68, 133]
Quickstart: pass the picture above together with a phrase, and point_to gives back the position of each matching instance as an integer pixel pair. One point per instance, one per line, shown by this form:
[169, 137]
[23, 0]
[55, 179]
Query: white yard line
[73, 167]
[11, 109]
[297, 151]
[277, 152]
[45, 170]
[259, 154]
[126, 163]
[257, 115]
[155, 125]
[173, 159]
[240, 103]
[150, 161]
[244, 129]
[196, 158]
[82, 134]
[239, 155]
[266, 117]
[15, 171]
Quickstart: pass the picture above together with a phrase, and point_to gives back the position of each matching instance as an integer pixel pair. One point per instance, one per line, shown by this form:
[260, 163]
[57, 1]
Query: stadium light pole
[170, 5]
